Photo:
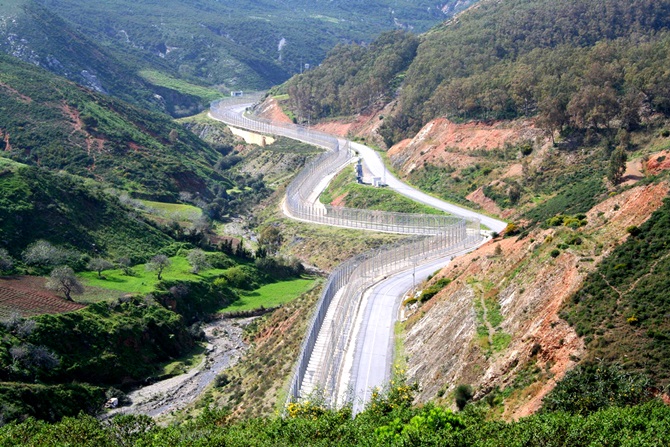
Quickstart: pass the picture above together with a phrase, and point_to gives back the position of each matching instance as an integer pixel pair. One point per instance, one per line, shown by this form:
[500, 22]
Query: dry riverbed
[224, 348]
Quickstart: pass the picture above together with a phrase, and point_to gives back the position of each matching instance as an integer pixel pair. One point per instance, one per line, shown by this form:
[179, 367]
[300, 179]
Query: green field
[163, 80]
[272, 295]
[175, 210]
[142, 280]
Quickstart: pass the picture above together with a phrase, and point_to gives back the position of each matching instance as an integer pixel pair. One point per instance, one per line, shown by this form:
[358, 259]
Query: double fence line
[433, 237]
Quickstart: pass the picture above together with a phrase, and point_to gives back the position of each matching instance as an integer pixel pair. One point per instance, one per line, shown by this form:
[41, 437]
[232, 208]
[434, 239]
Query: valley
[441, 224]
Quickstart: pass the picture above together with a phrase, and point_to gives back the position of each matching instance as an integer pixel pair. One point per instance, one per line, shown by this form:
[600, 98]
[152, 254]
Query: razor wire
[433, 237]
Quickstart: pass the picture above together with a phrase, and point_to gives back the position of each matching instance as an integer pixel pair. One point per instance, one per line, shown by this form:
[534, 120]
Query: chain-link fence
[450, 234]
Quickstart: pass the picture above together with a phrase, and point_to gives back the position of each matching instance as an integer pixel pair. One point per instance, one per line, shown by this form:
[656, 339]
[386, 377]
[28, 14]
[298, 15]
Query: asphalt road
[376, 166]
[375, 345]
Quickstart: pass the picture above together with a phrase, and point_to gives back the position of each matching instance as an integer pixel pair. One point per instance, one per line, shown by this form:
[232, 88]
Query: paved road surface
[374, 350]
[376, 166]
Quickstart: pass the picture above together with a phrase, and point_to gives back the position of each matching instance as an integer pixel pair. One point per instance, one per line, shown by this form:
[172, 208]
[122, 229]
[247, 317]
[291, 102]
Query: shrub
[462, 395]
[592, 387]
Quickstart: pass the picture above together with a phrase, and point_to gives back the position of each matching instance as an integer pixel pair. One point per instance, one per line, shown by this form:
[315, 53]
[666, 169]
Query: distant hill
[34, 34]
[575, 62]
[245, 44]
[51, 122]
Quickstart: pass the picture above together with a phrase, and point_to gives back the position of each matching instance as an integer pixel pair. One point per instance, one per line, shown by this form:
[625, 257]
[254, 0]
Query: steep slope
[502, 60]
[553, 115]
[53, 123]
[35, 204]
[497, 326]
[36, 35]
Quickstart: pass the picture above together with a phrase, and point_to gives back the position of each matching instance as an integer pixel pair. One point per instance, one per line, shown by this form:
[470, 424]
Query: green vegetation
[622, 308]
[271, 295]
[177, 211]
[434, 289]
[388, 420]
[592, 387]
[33, 33]
[206, 94]
[355, 195]
[60, 126]
[353, 78]
[242, 45]
[95, 347]
[141, 281]
[62, 209]
[587, 71]
[439, 181]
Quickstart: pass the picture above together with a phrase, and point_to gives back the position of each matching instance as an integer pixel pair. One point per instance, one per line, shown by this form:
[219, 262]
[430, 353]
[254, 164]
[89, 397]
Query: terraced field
[27, 296]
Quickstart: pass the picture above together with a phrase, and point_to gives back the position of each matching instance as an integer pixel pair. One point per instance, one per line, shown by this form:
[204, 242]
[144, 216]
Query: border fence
[433, 237]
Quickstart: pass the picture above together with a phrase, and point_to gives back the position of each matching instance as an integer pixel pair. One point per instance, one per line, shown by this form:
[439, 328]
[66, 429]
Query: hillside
[56, 124]
[559, 126]
[36, 35]
[250, 44]
[512, 59]
[64, 210]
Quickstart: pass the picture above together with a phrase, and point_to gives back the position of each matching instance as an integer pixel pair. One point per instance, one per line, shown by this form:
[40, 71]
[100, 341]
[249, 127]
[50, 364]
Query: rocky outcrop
[510, 292]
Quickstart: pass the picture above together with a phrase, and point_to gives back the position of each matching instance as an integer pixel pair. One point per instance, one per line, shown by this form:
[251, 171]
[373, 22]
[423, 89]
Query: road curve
[376, 166]
[371, 353]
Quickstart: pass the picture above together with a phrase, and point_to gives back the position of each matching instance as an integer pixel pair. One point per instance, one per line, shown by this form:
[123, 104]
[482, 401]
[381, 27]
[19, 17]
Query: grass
[368, 197]
[175, 210]
[6, 163]
[163, 80]
[399, 359]
[143, 281]
[272, 295]
[501, 341]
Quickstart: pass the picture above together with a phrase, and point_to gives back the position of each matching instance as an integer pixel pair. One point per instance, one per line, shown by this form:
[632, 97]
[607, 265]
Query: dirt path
[224, 349]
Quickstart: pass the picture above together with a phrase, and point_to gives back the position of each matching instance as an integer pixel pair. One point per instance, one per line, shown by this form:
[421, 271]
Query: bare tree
[63, 279]
[198, 260]
[98, 265]
[158, 264]
[6, 261]
[126, 265]
[43, 253]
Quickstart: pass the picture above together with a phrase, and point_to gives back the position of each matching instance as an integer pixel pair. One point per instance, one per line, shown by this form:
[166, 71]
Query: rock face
[497, 323]
[442, 142]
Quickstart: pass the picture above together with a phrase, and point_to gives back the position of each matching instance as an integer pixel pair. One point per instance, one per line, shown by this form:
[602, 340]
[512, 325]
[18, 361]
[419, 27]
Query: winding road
[369, 357]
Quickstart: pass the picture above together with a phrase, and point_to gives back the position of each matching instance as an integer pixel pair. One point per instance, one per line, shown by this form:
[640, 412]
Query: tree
[63, 279]
[98, 265]
[126, 265]
[44, 254]
[617, 165]
[158, 264]
[462, 395]
[270, 239]
[6, 261]
[198, 260]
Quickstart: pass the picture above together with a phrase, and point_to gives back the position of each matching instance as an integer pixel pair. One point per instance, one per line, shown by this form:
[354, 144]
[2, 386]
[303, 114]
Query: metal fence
[449, 234]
